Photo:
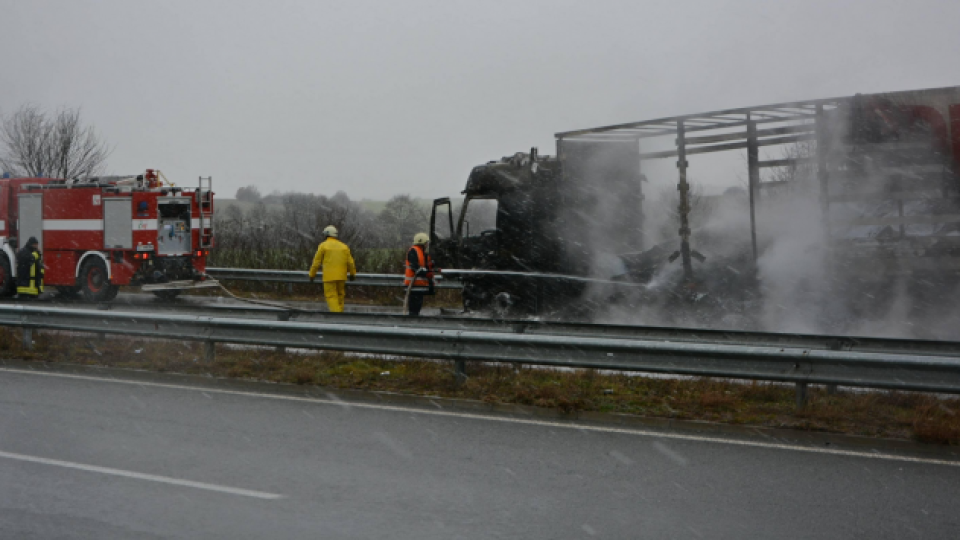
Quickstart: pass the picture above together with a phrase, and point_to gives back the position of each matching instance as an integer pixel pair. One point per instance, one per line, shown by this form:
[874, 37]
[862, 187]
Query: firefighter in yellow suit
[29, 270]
[334, 257]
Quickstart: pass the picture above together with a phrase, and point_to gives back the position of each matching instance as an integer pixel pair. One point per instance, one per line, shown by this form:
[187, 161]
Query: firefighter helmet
[421, 239]
[331, 231]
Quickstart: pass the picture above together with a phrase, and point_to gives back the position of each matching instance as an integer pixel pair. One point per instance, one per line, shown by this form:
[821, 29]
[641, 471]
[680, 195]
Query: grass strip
[900, 415]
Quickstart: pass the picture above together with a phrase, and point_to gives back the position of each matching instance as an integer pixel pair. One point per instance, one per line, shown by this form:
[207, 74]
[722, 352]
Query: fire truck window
[481, 216]
[181, 211]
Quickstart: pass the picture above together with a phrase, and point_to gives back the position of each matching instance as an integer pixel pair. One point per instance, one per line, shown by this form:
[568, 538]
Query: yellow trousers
[335, 292]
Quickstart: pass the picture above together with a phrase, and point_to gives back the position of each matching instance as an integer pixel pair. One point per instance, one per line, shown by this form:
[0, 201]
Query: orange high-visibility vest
[410, 272]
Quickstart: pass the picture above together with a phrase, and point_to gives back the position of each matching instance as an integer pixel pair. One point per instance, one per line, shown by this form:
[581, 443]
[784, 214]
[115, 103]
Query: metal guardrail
[790, 364]
[540, 327]
[294, 276]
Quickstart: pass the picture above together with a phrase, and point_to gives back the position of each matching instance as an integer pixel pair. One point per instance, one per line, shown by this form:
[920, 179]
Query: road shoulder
[666, 426]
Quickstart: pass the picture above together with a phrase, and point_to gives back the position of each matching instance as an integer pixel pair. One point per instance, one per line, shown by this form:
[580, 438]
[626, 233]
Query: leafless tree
[249, 194]
[401, 218]
[798, 174]
[35, 144]
[664, 218]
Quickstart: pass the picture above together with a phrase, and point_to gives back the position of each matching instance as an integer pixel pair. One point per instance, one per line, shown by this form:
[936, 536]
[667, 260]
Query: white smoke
[803, 286]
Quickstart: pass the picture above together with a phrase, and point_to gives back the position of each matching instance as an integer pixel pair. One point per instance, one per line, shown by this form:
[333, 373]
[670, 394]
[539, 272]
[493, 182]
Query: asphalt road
[94, 458]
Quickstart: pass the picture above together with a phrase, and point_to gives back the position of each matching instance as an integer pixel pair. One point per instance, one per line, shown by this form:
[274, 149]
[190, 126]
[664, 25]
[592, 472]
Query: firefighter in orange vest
[29, 270]
[420, 272]
[338, 266]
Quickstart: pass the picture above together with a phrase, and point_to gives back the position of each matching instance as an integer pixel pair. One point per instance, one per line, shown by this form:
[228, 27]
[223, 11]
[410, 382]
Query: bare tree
[798, 174]
[401, 218]
[25, 137]
[33, 144]
[665, 215]
[249, 193]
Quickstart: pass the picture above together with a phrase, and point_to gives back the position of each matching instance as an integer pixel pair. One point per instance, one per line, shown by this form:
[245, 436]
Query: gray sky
[379, 98]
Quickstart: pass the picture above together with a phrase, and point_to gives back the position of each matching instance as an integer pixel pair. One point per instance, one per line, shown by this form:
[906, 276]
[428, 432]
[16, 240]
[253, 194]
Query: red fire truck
[101, 233]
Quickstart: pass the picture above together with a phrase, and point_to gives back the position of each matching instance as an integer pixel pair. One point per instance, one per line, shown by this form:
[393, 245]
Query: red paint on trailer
[934, 119]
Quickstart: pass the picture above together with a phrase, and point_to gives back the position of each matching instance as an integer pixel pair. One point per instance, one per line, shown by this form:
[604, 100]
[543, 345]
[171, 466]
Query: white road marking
[142, 476]
[509, 420]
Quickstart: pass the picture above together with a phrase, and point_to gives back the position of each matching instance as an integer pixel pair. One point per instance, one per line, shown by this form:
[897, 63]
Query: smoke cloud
[878, 265]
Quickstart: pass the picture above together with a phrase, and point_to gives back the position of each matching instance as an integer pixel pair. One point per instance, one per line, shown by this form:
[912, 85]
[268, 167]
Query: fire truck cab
[98, 234]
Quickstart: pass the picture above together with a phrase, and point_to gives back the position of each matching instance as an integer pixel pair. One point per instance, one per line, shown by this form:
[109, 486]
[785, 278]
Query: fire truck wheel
[94, 283]
[167, 295]
[8, 285]
[112, 292]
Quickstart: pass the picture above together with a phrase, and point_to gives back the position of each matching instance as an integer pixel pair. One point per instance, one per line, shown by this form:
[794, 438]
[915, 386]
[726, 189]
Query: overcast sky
[379, 98]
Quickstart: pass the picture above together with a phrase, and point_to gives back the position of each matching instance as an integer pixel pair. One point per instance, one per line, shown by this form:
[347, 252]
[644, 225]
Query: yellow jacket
[335, 259]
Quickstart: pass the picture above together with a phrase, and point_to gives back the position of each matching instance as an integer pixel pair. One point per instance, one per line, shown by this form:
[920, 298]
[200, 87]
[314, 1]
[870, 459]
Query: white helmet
[331, 231]
[421, 239]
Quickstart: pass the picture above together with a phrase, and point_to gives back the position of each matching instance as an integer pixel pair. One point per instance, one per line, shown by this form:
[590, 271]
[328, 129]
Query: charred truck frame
[102, 233]
[894, 157]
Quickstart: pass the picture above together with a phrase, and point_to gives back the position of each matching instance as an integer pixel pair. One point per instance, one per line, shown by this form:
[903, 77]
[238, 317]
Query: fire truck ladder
[205, 202]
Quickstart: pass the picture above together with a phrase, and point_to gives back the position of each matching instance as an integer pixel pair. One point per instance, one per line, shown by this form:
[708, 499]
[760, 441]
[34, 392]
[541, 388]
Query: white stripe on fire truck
[97, 224]
[73, 224]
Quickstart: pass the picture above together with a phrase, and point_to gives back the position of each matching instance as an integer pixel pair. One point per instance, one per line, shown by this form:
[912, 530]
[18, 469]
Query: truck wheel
[112, 292]
[8, 284]
[474, 298]
[166, 295]
[94, 283]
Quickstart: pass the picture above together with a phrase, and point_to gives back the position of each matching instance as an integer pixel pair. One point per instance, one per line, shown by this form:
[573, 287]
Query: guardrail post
[832, 389]
[282, 317]
[28, 339]
[209, 351]
[801, 395]
[102, 336]
[460, 371]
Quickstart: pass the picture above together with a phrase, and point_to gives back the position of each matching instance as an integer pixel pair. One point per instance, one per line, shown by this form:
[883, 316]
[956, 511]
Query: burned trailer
[880, 170]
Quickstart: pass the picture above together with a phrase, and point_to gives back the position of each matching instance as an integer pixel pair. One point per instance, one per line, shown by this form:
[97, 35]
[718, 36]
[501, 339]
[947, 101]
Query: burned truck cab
[527, 221]
[506, 204]
[504, 226]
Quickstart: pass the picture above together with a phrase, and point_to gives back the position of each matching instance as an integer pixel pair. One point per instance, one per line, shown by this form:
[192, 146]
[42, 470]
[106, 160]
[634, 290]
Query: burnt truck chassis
[910, 140]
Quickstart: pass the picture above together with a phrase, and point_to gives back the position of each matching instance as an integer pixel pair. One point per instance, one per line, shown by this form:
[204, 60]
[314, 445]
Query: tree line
[282, 231]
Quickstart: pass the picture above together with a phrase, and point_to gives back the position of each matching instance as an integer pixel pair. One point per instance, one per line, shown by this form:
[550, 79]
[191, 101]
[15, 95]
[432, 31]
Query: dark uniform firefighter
[419, 272]
[29, 270]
